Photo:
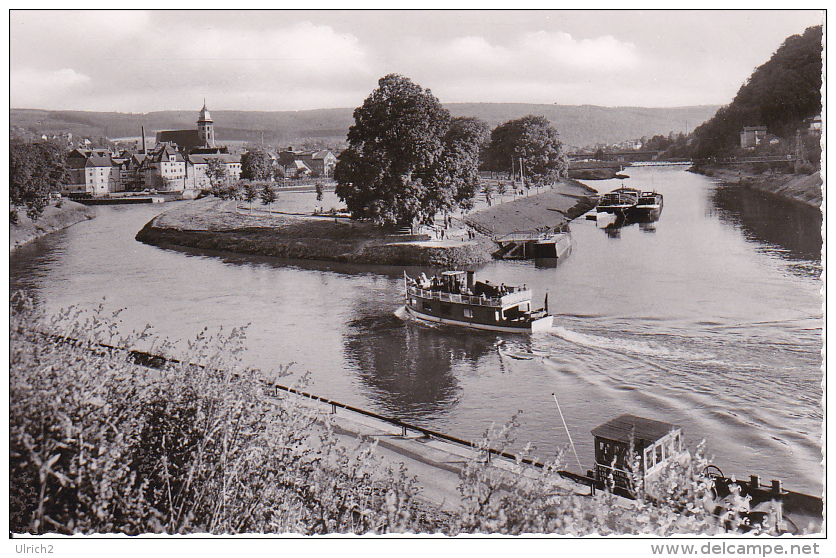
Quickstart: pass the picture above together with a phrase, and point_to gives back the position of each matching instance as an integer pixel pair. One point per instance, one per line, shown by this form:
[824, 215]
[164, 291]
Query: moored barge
[455, 298]
[648, 208]
[619, 201]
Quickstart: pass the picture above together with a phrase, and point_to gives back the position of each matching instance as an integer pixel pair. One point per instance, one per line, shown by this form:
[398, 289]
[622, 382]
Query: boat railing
[457, 298]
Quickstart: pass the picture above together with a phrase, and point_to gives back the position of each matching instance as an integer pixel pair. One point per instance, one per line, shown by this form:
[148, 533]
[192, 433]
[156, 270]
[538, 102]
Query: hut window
[648, 458]
[659, 456]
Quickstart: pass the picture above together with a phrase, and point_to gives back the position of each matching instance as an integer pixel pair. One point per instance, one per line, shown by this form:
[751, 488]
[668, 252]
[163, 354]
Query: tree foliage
[256, 165]
[268, 193]
[101, 444]
[36, 170]
[406, 160]
[531, 140]
[779, 94]
[218, 176]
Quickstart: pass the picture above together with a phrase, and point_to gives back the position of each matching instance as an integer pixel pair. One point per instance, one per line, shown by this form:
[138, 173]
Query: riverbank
[54, 218]
[552, 208]
[221, 225]
[806, 189]
[216, 224]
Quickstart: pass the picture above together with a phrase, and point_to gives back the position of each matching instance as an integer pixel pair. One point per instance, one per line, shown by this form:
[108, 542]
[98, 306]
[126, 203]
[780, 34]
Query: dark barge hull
[507, 326]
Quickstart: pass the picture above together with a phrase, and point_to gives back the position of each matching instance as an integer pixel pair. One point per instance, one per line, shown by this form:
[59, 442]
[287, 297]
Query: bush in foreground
[99, 444]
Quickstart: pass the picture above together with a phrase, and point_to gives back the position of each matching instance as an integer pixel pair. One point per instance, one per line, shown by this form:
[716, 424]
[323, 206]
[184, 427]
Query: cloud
[138, 53]
[43, 87]
[601, 53]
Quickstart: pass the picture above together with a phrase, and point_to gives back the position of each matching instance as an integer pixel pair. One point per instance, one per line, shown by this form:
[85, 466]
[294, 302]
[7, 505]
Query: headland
[223, 225]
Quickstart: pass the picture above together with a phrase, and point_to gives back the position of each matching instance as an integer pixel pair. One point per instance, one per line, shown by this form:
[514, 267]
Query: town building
[814, 126]
[307, 163]
[164, 169]
[93, 172]
[198, 166]
[751, 136]
[190, 140]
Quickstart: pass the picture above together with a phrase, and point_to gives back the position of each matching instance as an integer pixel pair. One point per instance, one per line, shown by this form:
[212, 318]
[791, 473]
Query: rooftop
[622, 428]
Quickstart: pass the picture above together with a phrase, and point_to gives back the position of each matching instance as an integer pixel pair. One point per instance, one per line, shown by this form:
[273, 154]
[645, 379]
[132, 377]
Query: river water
[710, 318]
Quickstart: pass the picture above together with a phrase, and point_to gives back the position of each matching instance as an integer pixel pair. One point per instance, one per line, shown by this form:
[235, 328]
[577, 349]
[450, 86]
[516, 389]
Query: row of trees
[408, 159]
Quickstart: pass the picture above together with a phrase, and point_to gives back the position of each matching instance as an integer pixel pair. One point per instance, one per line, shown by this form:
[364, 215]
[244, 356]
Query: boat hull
[537, 324]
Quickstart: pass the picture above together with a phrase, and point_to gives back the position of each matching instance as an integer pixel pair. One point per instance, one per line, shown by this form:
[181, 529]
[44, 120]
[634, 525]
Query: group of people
[454, 286]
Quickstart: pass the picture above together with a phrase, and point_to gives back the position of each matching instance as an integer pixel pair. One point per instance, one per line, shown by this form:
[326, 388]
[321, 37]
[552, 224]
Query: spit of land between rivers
[215, 224]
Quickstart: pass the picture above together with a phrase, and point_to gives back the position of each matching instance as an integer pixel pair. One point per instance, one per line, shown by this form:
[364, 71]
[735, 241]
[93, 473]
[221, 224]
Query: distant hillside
[780, 94]
[578, 125]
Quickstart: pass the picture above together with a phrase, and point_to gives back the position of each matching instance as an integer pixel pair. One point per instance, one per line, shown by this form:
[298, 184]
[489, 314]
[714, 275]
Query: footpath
[435, 464]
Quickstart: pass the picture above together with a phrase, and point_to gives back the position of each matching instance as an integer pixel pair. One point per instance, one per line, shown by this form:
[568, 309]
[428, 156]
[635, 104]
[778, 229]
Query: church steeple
[205, 128]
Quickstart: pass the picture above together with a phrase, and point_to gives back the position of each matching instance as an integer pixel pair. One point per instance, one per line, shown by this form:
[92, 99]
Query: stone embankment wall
[806, 189]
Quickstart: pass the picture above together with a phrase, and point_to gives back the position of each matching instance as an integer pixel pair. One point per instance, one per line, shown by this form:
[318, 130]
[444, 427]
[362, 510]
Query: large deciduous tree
[256, 165]
[531, 140]
[457, 172]
[404, 160]
[36, 170]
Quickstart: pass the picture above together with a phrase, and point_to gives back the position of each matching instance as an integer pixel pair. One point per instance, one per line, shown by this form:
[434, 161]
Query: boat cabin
[655, 443]
[453, 297]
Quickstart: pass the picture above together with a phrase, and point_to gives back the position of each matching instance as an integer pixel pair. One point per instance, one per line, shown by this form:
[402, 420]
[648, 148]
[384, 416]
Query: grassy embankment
[217, 225]
[552, 207]
[221, 225]
[806, 189]
[54, 218]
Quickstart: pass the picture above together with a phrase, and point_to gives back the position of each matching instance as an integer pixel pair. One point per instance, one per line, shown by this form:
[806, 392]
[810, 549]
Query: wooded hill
[578, 125]
[779, 94]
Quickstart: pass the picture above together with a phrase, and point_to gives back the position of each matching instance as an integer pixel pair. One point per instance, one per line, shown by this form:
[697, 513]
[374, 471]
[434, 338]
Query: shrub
[100, 444]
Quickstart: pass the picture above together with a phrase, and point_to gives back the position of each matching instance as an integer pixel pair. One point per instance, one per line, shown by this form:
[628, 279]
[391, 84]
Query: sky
[142, 61]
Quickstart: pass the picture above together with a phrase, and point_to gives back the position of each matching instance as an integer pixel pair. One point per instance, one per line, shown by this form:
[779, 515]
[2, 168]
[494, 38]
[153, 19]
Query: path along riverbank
[56, 216]
[222, 225]
[805, 189]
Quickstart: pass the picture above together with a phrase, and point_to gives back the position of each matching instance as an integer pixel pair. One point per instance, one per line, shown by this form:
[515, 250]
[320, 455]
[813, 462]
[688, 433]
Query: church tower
[205, 129]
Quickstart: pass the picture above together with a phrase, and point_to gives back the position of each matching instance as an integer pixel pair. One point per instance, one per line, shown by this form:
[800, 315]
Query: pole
[567, 433]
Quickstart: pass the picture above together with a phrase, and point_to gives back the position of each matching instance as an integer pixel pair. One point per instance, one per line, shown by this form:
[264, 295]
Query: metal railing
[493, 302]
[151, 360]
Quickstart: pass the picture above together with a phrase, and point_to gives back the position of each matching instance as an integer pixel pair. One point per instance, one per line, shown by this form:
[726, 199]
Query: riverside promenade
[552, 207]
[436, 464]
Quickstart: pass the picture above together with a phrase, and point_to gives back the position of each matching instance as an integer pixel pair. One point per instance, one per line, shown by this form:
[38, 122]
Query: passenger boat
[454, 298]
[619, 201]
[648, 208]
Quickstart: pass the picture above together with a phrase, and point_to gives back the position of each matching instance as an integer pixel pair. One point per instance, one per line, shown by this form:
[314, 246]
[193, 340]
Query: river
[710, 318]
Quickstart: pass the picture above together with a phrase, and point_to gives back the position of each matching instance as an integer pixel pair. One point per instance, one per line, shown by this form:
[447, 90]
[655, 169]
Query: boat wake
[625, 345]
[402, 314]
